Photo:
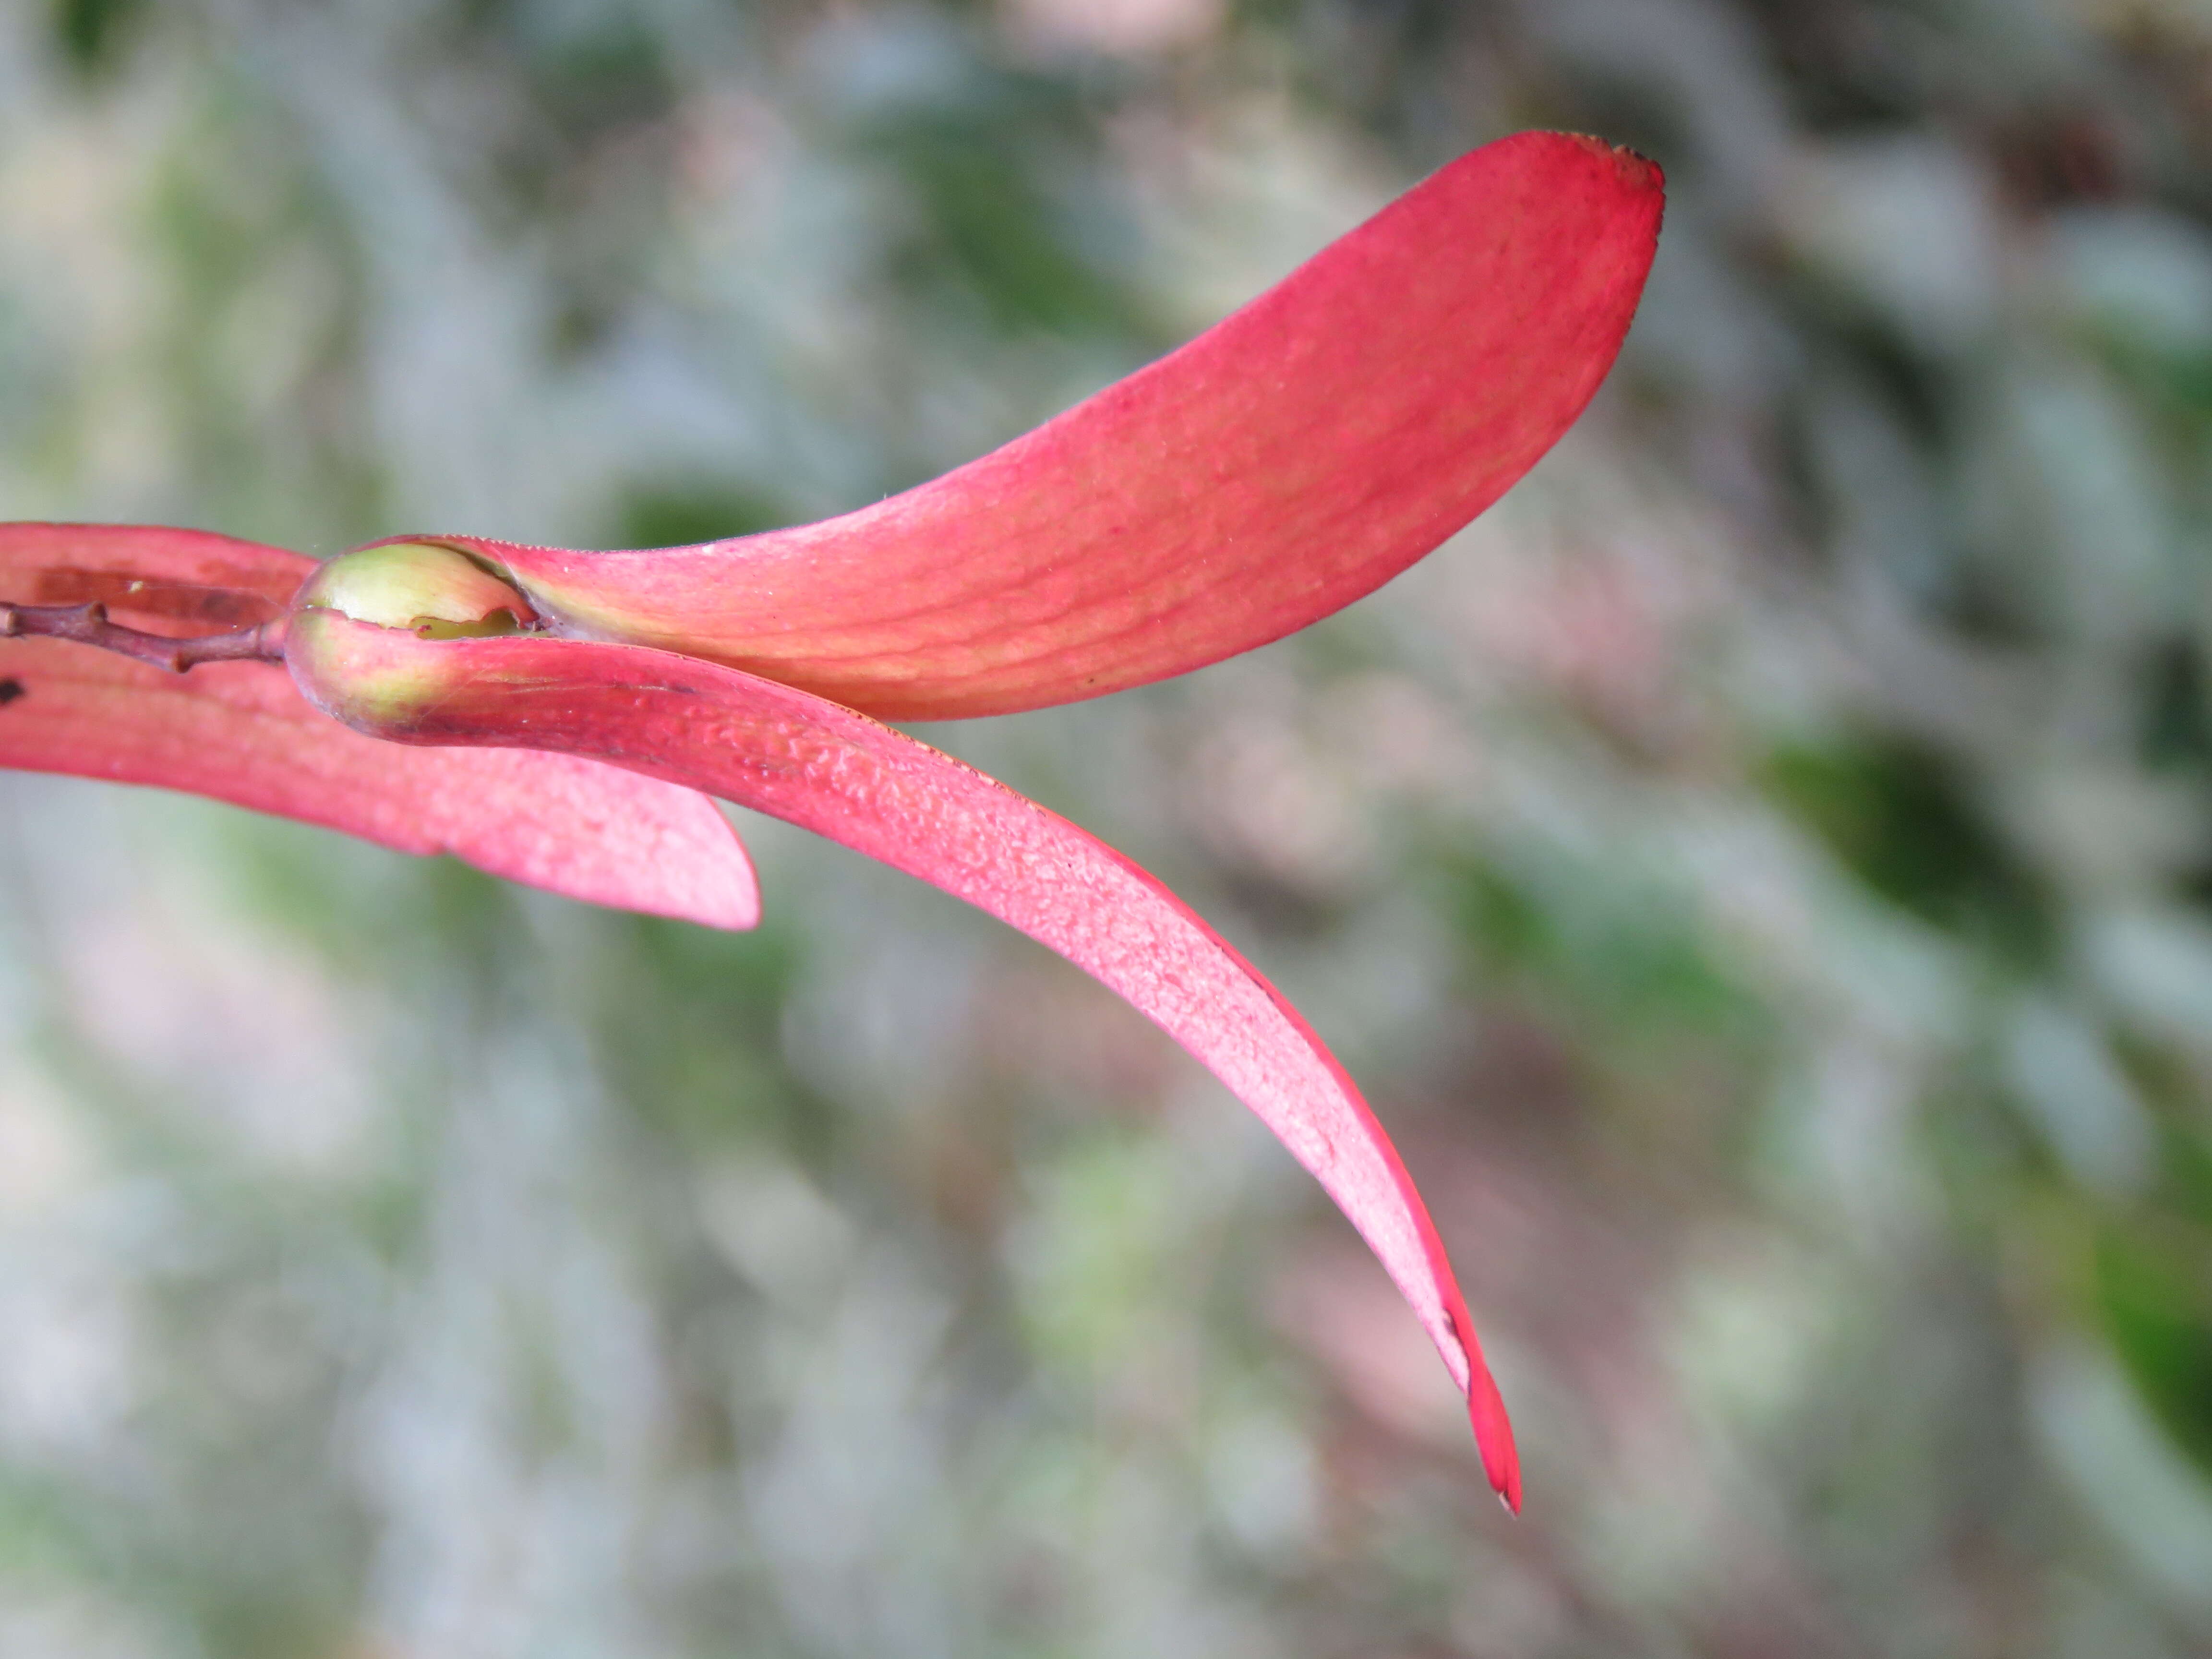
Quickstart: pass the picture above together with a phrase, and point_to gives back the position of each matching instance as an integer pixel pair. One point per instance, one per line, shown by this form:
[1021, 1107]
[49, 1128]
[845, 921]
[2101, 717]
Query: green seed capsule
[439, 592]
[361, 675]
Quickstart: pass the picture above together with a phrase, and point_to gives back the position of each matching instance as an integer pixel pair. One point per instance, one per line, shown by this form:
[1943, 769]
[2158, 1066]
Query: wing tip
[732, 906]
[1633, 171]
[1493, 1433]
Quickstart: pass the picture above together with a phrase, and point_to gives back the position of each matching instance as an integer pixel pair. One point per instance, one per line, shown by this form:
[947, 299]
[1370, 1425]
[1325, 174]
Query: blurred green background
[1762, 872]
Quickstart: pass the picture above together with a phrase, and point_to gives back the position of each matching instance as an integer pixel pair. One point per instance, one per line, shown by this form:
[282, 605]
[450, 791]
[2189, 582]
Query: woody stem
[87, 624]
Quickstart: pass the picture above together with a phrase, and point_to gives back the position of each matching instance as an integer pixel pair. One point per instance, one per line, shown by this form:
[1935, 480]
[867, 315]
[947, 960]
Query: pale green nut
[437, 592]
[380, 682]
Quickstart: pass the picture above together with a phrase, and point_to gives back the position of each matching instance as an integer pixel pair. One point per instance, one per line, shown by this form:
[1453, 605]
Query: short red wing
[151, 577]
[240, 732]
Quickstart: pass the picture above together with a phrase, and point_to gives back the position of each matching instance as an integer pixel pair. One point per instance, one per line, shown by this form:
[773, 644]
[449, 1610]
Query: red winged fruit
[560, 717]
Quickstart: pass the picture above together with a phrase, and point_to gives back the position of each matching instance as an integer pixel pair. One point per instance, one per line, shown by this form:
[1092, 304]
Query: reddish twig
[87, 624]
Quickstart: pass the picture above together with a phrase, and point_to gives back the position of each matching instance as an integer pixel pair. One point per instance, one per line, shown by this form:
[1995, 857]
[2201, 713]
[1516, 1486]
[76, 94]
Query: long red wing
[240, 732]
[1287, 461]
[841, 775]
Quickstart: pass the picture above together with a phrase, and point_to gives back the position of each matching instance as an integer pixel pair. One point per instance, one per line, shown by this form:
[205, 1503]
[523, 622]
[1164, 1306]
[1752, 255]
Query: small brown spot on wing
[11, 689]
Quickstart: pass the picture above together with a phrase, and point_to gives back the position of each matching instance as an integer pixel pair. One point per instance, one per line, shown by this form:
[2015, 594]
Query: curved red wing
[842, 775]
[1291, 458]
